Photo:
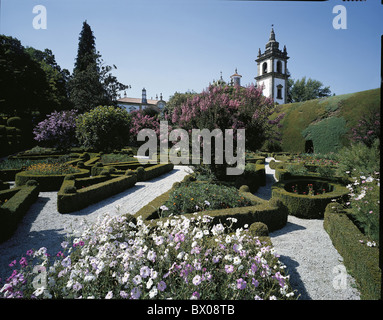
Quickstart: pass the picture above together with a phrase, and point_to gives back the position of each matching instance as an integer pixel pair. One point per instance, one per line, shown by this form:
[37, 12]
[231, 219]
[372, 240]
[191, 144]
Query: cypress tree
[86, 89]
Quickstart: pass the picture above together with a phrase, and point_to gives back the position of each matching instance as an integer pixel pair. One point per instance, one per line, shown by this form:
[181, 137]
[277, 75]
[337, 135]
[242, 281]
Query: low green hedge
[272, 213]
[143, 173]
[361, 260]
[9, 174]
[74, 195]
[18, 202]
[46, 182]
[307, 206]
[253, 176]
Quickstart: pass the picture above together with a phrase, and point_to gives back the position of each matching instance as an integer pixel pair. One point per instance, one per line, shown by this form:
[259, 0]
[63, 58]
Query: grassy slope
[301, 115]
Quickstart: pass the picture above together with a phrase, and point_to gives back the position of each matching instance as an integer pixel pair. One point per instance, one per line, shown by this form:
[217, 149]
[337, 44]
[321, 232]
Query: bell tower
[272, 70]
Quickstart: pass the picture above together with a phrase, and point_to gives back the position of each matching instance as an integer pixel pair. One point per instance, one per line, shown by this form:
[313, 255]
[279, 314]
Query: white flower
[198, 235]
[153, 292]
[149, 283]
[164, 208]
[38, 291]
[236, 260]
[109, 295]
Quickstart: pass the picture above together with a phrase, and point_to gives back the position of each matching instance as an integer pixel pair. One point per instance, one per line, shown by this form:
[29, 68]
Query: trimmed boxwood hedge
[76, 194]
[19, 200]
[306, 206]
[272, 213]
[254, 176]
[361, 260]
[47, 182]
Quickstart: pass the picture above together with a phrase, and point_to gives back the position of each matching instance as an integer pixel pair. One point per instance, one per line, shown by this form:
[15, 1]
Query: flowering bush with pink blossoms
[180, 258]
[230, 107]
[58, 130]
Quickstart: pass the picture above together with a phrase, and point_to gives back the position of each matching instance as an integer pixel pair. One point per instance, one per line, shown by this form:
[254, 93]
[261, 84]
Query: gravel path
[314, 265]
[44, 226]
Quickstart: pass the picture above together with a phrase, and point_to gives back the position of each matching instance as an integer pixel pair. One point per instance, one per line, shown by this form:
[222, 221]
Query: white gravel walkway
[44, 226]
[315, 266]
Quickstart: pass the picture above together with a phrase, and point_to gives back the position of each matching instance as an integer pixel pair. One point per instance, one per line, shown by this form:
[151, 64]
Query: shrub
[367, 130]
[104, 128]
[305, 205]
[259, 229]
[58, 130]
[364, 204]
[359, 159]
[360, 255]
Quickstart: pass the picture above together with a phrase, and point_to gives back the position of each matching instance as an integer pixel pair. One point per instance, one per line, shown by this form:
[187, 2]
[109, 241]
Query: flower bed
[182, 259]
[14, 203]
[308, 205]
[272, 213]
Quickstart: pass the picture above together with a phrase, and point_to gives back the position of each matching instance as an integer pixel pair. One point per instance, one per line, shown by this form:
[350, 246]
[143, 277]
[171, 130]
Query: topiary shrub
[259, 229]
[140, 173]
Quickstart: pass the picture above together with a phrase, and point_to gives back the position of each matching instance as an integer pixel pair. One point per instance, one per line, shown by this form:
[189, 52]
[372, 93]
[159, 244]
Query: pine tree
[91, 83]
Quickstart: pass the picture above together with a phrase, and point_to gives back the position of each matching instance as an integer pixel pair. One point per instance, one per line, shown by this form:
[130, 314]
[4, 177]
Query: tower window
[264, 68]
[279, 66]
[279, 91]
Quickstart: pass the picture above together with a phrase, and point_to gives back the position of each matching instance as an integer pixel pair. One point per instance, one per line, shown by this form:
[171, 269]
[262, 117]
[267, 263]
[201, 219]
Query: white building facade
[272, 71]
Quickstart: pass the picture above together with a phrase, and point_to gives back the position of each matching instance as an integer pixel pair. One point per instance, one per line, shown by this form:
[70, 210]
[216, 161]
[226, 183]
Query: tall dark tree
[23, 84]
[56, 77]
[91, 83]
[306, 89]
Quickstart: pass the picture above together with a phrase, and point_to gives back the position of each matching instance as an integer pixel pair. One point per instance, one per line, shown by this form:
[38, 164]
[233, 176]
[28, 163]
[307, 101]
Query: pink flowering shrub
[179, 258]
[141, 121]
[58, 130]
[367, 130]
[230, 107]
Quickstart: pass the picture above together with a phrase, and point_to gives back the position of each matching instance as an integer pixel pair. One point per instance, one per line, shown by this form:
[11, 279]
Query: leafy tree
[56, 77]
[92, 84]
[23, 83]
[302, 90]
[104, 128]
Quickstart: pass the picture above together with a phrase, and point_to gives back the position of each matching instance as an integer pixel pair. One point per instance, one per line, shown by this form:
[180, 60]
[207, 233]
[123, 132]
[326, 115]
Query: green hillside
[326, 122]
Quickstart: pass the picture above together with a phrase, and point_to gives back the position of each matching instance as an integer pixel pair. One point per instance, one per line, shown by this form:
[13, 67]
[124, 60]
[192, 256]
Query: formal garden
[208, 235]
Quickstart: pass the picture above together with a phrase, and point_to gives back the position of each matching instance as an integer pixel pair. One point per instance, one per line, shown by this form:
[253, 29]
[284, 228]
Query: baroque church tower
[272, 71]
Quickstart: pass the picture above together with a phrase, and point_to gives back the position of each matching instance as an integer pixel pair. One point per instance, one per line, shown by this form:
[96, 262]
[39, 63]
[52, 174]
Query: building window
[279, 92]
[264, 68]
[279, 66]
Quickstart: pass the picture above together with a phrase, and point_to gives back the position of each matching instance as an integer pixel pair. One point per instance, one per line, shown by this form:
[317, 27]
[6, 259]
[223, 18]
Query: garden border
[361, 260]
[12, 212]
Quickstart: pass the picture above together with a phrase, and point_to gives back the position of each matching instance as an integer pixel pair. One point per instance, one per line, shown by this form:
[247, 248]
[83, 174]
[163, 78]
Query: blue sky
[179, 45]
